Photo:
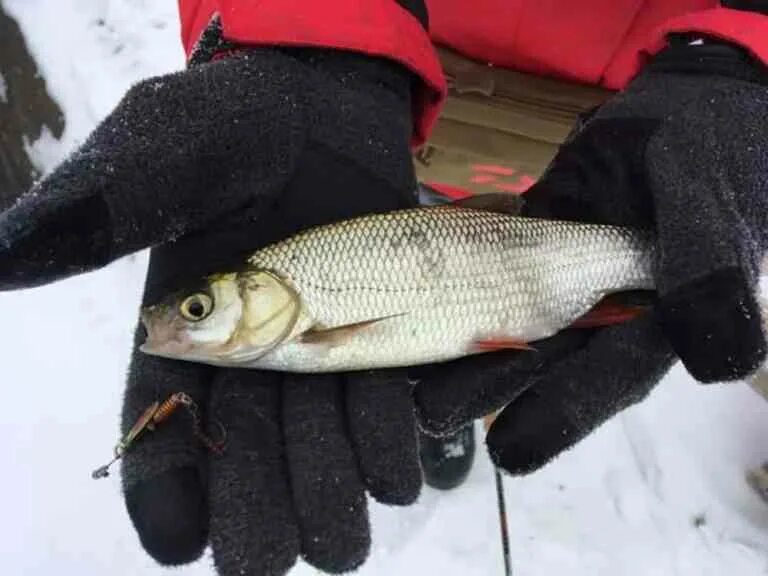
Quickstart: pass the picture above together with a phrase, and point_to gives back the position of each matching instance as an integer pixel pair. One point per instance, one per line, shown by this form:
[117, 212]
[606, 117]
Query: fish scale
[439, 279]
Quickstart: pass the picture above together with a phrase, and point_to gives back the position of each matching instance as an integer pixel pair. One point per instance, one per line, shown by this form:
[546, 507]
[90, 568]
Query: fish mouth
[163, 338]
[168, 348]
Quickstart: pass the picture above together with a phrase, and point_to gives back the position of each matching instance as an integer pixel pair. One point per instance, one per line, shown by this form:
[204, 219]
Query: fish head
[194, 324]
[230, 319]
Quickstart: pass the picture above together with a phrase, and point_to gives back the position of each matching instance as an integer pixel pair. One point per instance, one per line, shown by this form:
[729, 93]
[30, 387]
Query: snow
[45, 151]
[659, 490]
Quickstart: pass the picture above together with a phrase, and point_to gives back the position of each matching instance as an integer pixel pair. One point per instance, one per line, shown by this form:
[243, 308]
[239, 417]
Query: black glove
[215, 162]
[683, 152]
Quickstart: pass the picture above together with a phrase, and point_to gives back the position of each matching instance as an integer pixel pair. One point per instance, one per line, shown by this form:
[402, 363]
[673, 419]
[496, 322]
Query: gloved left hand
[681, 152]
[206, 166]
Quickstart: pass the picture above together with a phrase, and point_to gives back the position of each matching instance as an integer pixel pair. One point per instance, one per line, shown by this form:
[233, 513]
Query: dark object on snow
[215, 162]
[447, 460]
[26, 109]
[758, 480]
[699, 520]
[682, 152]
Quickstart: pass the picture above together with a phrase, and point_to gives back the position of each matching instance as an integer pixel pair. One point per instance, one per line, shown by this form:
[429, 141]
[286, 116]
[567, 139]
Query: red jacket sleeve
[376, 27]
[747, 29]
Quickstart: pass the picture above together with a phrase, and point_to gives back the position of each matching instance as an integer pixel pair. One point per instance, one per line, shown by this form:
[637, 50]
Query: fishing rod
[502, 508]
[503, 527]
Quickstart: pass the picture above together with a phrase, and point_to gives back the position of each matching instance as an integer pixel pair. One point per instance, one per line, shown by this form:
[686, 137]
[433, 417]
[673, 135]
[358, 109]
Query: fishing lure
[157, 413]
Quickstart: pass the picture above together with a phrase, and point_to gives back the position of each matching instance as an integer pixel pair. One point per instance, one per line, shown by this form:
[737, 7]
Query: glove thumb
[709, 246]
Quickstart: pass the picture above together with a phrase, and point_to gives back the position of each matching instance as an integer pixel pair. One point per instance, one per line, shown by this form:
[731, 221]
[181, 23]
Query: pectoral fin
[339, 334]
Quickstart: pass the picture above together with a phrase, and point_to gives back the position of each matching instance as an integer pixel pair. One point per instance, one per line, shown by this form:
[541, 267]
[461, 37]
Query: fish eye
[196, 307]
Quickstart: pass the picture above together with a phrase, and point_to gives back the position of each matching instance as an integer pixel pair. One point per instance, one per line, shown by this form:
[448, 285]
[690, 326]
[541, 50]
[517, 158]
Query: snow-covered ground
[657, 491]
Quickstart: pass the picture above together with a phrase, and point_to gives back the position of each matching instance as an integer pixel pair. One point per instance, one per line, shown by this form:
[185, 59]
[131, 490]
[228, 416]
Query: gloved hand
[683, 152]
[207, 165]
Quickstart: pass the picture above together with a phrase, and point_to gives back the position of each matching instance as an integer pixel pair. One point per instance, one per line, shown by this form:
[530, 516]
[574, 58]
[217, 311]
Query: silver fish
[408, 287]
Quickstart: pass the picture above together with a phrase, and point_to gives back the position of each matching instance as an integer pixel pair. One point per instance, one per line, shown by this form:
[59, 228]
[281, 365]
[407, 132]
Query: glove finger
[715, 326]
[564, 403]
[164, 473]
[450, 395]
[253, 525]
[176, 155]
[382, 428]
[328, 492]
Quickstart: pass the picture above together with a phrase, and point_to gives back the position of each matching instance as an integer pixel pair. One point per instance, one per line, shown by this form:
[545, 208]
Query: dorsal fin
[497, 202]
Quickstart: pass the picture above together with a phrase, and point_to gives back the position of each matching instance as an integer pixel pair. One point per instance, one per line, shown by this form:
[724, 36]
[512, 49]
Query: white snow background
[624, 502]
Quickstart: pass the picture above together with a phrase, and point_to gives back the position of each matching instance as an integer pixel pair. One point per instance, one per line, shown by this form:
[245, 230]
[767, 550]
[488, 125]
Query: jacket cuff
[376, 27]
[746, 29]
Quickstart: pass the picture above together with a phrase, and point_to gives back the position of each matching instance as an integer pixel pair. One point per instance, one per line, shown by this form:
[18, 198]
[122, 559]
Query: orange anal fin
[493, 344]
[609, 313]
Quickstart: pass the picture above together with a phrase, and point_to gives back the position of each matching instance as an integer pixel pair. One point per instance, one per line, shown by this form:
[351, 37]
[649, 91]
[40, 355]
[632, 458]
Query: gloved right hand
[681, 152]
[208, 165]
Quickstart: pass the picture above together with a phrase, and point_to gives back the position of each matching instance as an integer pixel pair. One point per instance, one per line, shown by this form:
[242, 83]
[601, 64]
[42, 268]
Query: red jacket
[595, 41]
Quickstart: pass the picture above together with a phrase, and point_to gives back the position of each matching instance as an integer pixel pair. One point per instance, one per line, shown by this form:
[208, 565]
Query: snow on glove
[207, 165]
[683, 152]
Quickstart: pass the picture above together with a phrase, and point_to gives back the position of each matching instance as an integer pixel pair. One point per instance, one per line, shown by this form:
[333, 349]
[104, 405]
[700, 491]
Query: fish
[403, 288]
